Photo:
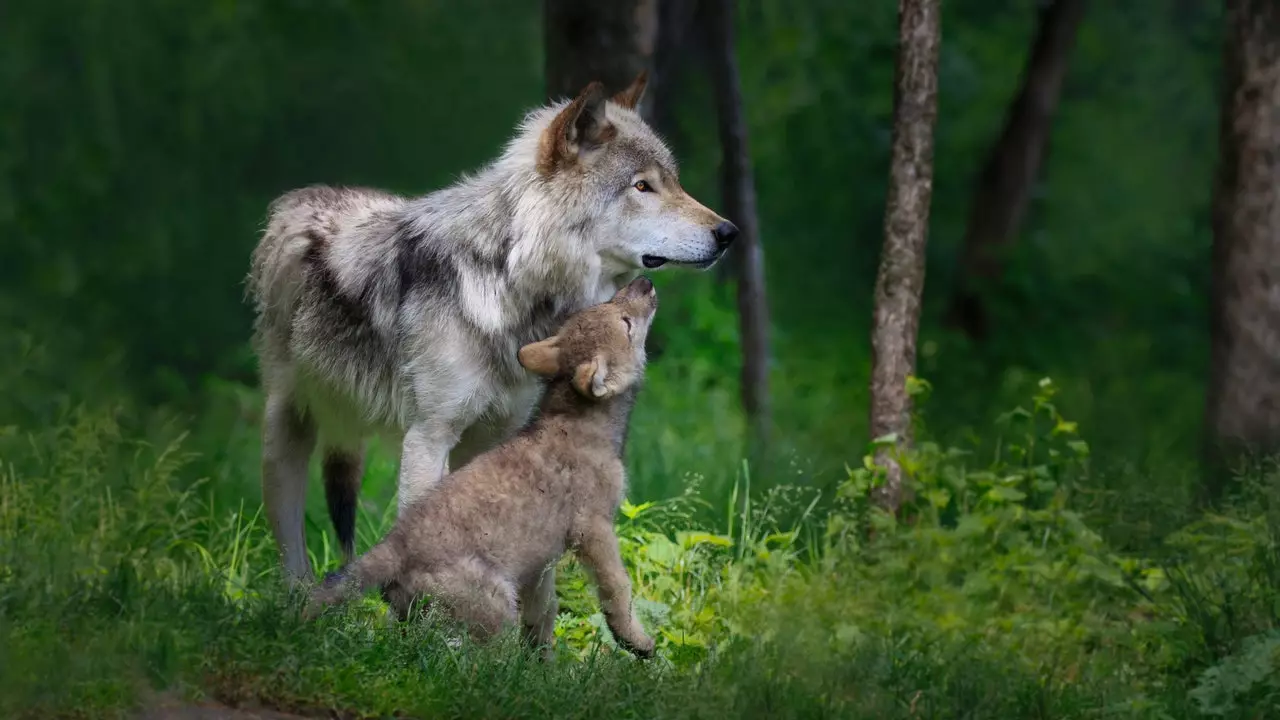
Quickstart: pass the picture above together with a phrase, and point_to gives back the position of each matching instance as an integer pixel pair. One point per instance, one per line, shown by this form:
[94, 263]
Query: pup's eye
[643, 186]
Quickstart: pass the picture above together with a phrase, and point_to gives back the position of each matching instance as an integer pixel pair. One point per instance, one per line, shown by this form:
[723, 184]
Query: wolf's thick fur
[402, 316]
[480, 541]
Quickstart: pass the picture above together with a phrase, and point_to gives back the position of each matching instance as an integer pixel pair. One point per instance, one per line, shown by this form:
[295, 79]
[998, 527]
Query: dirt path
[174, 708]
[213, 712]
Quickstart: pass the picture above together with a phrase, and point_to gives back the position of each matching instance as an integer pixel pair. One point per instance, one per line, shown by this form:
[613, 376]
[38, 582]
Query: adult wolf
[403, 316]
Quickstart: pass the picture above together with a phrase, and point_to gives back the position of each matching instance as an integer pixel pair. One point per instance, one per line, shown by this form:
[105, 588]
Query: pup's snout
[640, 286]
[725, 233]
[641, 291]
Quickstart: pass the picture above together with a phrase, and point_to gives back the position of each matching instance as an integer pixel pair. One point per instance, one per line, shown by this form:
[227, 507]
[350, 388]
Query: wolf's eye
[643, 186]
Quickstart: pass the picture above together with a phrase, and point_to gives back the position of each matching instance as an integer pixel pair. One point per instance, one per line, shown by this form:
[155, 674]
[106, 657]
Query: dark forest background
[145, 139]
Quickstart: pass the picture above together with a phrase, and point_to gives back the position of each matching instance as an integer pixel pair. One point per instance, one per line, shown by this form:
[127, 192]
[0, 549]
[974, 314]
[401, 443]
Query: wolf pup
[480, 540]
[379, 314]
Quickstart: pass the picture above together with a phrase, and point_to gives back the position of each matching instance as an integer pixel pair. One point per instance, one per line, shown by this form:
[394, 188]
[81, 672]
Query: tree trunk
[1242, 411]
[1004, 188]
[671, 54]
[738, 194]
[590, 40]
[900, 280]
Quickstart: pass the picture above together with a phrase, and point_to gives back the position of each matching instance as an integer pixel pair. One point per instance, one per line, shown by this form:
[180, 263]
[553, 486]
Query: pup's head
[600, 349]
[626, 180]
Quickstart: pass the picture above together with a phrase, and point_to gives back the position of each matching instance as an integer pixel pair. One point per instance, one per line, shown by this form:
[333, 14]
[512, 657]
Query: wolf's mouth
[656, 261]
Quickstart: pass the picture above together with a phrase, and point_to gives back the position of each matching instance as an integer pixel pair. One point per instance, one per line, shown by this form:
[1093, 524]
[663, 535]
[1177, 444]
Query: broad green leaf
[631, 511]
[1006, 493]
[692, 539]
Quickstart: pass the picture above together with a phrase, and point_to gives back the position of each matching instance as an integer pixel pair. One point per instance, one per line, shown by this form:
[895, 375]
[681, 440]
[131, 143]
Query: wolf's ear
[631, 97]
[581, 125]
[589, 378]
[542, 357]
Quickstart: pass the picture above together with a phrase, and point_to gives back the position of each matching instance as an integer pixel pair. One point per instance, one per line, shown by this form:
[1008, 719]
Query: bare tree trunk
[900, 280]
[589, 40]
[671, 54]
[738, 194]
[1242, 411]
[1004, 188]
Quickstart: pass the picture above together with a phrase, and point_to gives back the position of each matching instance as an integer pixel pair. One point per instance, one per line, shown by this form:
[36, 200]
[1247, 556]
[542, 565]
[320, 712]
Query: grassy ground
[134, 558]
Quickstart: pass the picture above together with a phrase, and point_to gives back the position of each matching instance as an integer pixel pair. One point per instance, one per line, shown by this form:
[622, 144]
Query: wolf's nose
[725, 233]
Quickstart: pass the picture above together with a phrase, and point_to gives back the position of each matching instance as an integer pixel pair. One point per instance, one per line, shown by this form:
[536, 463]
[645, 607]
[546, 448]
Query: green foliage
[1243, 681]
[144, 144]
[121, 571]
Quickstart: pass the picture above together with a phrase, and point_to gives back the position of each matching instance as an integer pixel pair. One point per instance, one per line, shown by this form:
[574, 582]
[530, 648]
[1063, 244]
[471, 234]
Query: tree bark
[900, 280]
[1013, 165]
[1242, 409]
[671, 54]
[589, 40]
[738, 194]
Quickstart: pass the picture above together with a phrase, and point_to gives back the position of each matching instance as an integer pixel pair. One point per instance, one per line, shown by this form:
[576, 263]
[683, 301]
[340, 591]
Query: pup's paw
[640, 645]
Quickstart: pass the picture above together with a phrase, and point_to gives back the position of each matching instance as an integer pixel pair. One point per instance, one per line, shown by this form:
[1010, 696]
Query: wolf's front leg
[598, 550]
[424, 459]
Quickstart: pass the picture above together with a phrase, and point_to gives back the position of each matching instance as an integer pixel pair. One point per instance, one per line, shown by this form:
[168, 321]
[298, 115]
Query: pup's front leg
[599, 552]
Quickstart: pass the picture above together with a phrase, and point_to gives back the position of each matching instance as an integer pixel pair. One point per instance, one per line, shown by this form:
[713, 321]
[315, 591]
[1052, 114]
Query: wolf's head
[600, 156]
[601, 348]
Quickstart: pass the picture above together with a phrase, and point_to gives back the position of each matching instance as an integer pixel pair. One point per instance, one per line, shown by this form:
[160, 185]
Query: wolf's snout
[725, 233]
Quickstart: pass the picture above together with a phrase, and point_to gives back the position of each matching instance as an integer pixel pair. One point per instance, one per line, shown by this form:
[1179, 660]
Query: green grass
[128, 563]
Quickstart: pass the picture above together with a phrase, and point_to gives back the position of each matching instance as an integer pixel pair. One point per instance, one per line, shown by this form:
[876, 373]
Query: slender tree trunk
[590, 40]
[670, 57]
[1004, 188]
[738, 194]
[1242, 413]
[900, 280]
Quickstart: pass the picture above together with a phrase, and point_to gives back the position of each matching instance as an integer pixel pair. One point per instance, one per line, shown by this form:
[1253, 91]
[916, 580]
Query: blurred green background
[142, 141]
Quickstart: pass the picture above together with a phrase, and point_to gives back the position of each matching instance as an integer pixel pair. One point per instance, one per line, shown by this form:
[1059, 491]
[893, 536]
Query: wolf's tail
[275, 273]
[374, 569]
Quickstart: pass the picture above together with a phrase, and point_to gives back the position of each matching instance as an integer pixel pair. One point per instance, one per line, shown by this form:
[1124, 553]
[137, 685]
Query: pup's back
[486, 532]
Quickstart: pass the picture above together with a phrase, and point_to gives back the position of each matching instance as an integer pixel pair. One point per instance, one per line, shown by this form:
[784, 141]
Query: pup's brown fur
[478, 542]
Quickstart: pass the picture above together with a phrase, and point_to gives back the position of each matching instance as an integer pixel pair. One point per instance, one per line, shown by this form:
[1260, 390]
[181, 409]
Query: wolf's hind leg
[342, 471]
[288, 437]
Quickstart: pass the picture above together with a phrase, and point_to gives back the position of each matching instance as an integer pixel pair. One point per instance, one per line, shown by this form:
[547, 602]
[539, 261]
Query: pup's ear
[589, 378]
[542, 357]
[631, 97]
[580, 126]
